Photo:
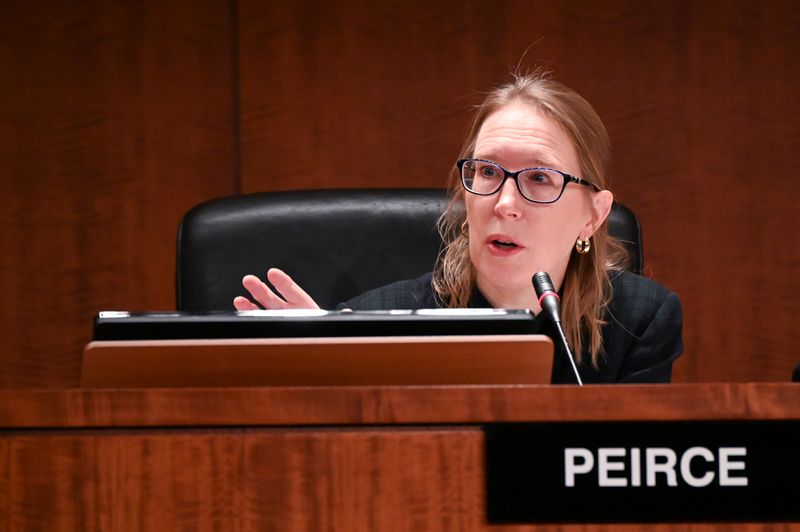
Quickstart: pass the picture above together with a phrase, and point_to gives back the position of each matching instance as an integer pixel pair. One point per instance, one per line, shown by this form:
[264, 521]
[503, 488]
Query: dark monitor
[114, 325]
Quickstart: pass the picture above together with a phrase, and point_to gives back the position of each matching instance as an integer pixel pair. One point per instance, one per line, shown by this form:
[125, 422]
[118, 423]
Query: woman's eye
[488, 171]
[539, 178]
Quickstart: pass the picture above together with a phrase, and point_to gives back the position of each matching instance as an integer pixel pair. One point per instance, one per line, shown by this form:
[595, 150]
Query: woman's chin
[512, 283]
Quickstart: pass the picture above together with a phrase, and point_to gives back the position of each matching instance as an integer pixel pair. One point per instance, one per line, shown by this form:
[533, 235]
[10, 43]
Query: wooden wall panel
[742, 253]
[330, 458]
[246, 479]
[699, 98]
[115, 118]
[262, 479]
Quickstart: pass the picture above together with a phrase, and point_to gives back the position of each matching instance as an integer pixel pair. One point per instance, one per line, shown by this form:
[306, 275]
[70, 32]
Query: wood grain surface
[359, 405]
[243, 480]
[260, 479]
[338, 361]
[115, 118]
[174, 461]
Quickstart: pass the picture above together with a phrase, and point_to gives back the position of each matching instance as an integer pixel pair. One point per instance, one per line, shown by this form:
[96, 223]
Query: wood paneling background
[115, 118]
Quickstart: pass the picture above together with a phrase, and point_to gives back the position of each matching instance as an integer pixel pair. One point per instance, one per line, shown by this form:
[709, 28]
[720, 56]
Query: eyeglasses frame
[514, 175]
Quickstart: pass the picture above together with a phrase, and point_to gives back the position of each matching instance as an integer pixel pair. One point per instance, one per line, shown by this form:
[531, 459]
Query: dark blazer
[641, 337]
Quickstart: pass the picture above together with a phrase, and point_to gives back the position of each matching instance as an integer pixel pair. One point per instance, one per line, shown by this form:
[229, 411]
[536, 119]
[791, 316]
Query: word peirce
[622, 467]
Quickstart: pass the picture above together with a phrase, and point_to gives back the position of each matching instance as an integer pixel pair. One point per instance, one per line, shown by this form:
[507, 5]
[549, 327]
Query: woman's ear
[601, 206]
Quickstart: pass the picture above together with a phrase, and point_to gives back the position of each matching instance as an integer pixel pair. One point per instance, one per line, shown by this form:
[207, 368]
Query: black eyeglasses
[539, 185]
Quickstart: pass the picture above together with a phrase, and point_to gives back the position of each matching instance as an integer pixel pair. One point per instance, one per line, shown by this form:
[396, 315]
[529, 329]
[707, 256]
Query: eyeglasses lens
[485, 178]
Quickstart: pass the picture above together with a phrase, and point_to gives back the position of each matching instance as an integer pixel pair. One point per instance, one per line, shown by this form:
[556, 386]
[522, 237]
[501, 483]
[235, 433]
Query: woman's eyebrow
[534, 163]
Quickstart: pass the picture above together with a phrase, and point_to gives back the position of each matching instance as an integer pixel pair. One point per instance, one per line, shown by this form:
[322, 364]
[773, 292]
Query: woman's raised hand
[294, 297]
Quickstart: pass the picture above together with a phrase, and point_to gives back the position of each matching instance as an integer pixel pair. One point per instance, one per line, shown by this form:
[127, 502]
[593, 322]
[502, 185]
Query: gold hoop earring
[583, 246]
[465, 229]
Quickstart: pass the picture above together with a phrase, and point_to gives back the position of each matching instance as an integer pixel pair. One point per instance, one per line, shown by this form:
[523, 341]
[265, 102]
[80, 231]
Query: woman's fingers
[242, 303]
[295, 296]
[262, 293]
[291, 295]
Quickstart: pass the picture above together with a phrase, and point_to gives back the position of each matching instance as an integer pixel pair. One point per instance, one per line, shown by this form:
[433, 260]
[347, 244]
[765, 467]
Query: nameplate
[643, 472]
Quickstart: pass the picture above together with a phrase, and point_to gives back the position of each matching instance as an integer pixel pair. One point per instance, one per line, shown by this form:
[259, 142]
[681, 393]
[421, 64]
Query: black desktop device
[116, 325]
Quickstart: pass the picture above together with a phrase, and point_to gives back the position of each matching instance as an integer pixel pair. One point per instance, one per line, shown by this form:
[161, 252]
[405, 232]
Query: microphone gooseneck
[551, 304]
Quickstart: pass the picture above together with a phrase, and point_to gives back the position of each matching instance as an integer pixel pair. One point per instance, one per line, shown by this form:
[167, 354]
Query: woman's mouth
[502, 245]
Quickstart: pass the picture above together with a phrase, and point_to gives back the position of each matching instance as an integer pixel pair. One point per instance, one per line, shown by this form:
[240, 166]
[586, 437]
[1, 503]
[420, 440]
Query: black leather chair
[335, 243]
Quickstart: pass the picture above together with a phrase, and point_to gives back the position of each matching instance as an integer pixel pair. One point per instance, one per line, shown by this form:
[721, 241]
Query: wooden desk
[357, 458]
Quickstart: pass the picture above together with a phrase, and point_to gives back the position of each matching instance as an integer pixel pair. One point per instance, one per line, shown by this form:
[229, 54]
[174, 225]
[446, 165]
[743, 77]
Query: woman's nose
[509, 200]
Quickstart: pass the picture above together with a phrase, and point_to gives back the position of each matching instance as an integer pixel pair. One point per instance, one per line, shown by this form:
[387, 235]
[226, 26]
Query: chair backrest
[335, 243]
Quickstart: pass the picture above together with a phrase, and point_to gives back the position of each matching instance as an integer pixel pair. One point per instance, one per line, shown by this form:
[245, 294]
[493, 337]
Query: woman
[529, 195]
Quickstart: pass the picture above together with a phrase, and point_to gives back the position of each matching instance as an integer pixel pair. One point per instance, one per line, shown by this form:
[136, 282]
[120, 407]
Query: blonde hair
[586, 288]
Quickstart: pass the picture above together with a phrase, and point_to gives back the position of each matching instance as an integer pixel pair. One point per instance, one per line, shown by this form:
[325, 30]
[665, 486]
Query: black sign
[643, 472]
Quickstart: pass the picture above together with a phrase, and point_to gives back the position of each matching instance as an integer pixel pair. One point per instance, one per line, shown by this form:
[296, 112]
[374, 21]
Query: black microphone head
[542, 283]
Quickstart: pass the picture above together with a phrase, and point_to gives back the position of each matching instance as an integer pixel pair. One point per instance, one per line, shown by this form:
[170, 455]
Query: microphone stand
[551, 304]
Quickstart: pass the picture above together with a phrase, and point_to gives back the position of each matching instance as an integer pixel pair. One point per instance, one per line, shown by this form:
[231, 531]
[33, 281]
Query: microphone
[551, 305]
